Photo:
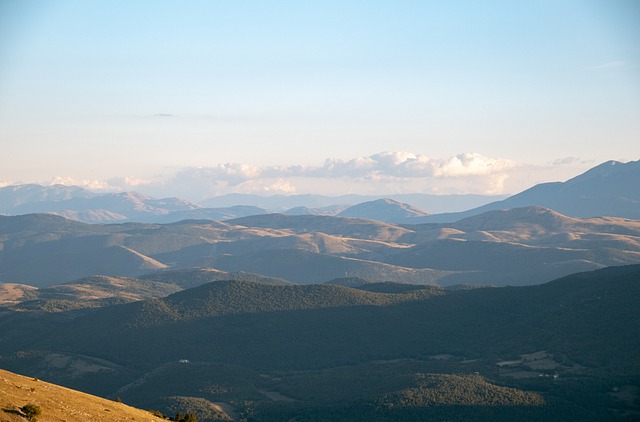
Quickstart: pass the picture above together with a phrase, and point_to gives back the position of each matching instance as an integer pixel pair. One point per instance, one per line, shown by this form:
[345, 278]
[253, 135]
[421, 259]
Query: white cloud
[119, 184]
[396, 171]
[128, 182]
[472, 164]
[386, 164]
[230, 173]
[269, 186]
[383, 173]
[397, 164]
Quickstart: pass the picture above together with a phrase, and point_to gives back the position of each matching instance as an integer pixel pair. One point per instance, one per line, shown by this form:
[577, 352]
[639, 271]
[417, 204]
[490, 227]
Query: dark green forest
[564, 350]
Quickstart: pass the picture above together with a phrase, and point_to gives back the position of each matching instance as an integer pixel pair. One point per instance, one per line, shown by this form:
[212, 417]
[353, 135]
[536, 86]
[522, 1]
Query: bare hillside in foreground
[60, 403]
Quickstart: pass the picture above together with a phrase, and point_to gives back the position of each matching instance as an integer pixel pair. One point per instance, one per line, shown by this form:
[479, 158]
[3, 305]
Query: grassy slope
[60, 403]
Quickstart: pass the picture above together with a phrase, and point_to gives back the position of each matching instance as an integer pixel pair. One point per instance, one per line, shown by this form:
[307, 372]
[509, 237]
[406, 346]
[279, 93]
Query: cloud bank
[386, 172]
[378, 174]
[118, 184]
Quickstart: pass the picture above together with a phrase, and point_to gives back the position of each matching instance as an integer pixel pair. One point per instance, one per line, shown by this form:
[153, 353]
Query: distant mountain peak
[606, 170]
[385, 209]
[83, 205]
[610, 189]
[133, 195]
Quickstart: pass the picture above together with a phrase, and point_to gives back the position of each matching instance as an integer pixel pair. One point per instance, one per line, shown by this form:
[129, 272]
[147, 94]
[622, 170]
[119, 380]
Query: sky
[201, 98]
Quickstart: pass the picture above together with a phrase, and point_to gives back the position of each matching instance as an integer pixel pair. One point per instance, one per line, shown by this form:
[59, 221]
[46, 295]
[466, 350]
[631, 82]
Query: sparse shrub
[158, 414]
[31, 410]
[189, 417]
[118, 399]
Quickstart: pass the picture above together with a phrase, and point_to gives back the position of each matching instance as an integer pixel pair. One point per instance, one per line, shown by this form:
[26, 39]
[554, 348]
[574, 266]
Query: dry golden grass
[60, 404]
[12, 293]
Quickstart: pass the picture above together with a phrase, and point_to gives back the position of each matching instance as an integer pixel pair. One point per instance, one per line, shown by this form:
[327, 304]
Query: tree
[189, 417]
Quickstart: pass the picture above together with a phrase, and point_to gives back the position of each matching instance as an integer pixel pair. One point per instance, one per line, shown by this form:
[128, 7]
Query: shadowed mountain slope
[609, 189]
[245, 297]
[194, 277]
[522, 246]
[289, 348]
[565, 316]
[308, 267]
[100, 291]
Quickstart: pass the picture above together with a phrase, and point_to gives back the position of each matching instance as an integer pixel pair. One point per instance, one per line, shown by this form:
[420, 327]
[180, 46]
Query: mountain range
[512, 247]
[83, 205]
[332, 205]
[609, 189]
[80, 204]
[520, 309]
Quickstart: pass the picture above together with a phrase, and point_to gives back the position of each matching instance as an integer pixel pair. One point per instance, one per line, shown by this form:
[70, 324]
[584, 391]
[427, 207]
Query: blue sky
[481, 97]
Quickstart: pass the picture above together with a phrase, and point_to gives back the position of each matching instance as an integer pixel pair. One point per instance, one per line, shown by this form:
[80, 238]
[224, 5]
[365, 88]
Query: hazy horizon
[198, 99]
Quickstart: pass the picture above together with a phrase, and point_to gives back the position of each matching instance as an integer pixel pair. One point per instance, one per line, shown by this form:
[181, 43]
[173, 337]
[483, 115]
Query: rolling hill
[344, 227]
[547, 352]
[386, 209]
[230, 297]
[304, 267]
[99, 291]
[88, 292]
[503, 247]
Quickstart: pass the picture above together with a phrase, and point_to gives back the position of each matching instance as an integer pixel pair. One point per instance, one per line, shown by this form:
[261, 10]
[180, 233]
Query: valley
[510, 314]
[513, 247]
[319, 211]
